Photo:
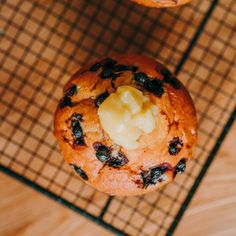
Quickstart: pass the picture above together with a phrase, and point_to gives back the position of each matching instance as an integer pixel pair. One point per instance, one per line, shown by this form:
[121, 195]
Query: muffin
[161, 3]
[126, 125]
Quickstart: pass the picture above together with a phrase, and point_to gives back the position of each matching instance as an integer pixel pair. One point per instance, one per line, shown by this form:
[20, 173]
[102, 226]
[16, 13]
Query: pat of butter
[125, 114]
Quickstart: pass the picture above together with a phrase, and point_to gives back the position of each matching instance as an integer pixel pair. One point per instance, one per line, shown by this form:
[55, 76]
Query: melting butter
[125, 114]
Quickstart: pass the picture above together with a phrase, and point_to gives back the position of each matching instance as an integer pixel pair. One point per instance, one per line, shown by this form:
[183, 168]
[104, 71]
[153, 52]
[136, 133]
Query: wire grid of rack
[44, 42]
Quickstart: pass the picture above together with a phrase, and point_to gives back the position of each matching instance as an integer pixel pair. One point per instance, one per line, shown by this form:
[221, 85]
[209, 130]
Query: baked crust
[161, 154]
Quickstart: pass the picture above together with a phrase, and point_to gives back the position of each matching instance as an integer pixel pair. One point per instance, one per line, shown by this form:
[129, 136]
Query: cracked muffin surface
[88, 148]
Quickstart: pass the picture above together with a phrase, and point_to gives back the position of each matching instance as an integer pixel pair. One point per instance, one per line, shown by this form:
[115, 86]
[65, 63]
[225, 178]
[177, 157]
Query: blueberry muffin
[126, 125]
[161, 3]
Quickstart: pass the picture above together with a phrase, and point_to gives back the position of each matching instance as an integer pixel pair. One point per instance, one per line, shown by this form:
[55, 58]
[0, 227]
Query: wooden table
[23, 211]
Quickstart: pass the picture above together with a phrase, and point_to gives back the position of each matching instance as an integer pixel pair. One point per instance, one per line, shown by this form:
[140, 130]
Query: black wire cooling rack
[44, 42]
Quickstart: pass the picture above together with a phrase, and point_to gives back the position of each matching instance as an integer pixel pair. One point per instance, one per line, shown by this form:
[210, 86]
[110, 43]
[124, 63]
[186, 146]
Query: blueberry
[96, 145]
[169, 78]
[140, 78]
[155, 86]
[109, 63]
[80, 142]
[156, 174]
[95, 67]
[65, 101]
[107, 73]
[180, 167]
[120, 68]
[82, 173]
[117, 160]
[100, 98]
[109, 156]
[77, 131]
[172, 81]
[153, 175]
[133, 68]
[77, 116]
[71, 91]
[115, 163]
[175, 146]
[165, 72]
[103, 153]
[110, 69]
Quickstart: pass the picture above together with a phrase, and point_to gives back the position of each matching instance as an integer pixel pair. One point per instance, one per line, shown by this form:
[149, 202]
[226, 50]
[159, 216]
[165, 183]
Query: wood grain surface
[25, 212]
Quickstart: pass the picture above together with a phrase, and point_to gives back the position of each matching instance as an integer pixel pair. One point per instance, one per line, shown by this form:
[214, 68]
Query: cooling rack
[44, 42]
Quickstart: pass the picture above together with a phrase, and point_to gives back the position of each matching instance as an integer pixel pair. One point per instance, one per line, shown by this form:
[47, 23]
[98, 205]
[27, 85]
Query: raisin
[153, 175]
[77, 131]
[155, 86]
[140, 78]
[82, 173]
[100, 98]
[175, 146]
[103, 153]
[65, 101]
[180, 167]
[71, 91]
[95, 67]
[117, 160]
[169, 78]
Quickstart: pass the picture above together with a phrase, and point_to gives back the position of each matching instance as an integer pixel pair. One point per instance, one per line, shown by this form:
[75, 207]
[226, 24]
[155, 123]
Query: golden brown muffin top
[90, 151]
